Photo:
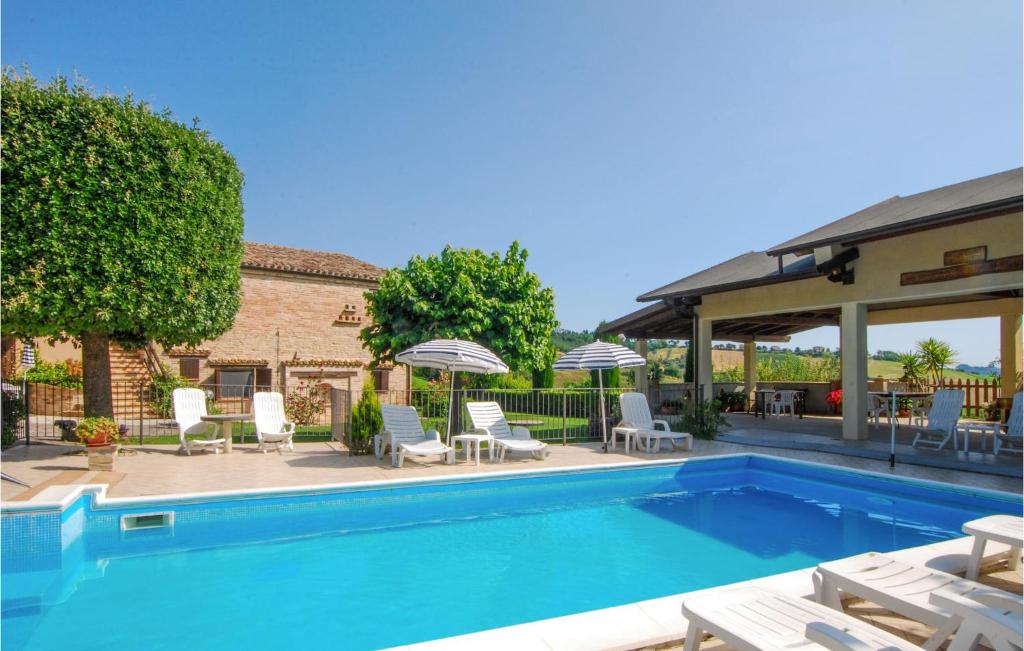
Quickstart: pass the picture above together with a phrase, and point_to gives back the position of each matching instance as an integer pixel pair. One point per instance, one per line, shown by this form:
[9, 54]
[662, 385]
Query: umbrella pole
[600, 396]
[892, 431]
[451, 405]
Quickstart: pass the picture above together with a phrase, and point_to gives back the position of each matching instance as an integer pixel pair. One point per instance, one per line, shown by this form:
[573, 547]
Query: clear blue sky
[625, 144]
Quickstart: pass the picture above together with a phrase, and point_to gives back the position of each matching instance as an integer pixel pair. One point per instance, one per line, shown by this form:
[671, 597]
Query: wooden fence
[978, 394]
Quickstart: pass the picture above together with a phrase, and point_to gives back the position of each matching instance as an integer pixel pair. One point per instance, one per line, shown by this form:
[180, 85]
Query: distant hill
[979, 370]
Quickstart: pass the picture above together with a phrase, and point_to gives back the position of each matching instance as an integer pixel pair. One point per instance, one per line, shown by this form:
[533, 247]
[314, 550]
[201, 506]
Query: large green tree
[464, 294]
[118, 224]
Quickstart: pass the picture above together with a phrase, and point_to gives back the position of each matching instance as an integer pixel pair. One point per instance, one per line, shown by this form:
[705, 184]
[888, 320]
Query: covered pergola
[950, 253]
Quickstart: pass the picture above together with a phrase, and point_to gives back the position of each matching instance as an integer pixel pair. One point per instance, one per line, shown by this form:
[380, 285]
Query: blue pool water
[375, 568]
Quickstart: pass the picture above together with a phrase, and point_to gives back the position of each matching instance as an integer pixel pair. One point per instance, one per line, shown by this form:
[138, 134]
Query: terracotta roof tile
[319, 263]
[332, 363]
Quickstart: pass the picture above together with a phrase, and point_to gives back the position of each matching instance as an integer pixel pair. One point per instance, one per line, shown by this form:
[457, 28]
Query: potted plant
[97, 432]
[835, 400]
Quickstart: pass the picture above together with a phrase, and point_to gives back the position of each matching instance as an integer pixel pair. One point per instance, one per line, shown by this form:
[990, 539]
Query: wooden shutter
[264, 377]
[216, 384]
[380, 379]
[188, 368]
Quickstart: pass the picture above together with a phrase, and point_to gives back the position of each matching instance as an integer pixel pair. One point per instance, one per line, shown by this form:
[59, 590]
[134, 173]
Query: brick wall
[287, 316]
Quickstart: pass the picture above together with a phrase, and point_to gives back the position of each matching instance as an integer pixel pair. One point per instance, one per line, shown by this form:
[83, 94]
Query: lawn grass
[549, 430]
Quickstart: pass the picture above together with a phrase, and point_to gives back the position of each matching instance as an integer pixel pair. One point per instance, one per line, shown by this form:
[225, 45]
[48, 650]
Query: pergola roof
[958, 202]
[746, 270]
[663, 320]
[671, 317]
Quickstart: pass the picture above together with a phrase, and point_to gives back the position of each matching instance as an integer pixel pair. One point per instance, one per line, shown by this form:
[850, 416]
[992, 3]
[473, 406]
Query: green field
[876, 368]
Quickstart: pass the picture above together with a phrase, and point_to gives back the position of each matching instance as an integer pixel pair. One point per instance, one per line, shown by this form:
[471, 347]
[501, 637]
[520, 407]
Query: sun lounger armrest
[993, 598]
[289, 428]
[991, 616]
[663, 423]
[520, 432]
[432, 435]
[835, 639]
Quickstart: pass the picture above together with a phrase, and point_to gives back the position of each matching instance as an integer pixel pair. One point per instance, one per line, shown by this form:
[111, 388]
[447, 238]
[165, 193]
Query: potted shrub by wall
[97, 432]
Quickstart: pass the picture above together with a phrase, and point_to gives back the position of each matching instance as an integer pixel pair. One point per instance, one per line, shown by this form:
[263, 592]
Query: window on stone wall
[234, 382]
[380, 379]
[188, 368]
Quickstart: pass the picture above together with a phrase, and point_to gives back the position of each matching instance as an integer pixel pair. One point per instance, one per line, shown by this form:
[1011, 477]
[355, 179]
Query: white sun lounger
[189, 408]
[488, 418]
[904, 589]
[757, 619]
[1007, 529]
[636, 416]
[272, 427]
[404, 433]
[942, 419]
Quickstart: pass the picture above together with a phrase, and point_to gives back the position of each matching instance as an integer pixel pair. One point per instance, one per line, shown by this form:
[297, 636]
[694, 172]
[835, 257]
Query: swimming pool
[370, 566]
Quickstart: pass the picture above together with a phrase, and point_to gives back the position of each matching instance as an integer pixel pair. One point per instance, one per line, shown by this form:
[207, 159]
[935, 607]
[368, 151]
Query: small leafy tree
[464, 294]
[936, 356]
[367, 419]
[119, 224]
[914, 371]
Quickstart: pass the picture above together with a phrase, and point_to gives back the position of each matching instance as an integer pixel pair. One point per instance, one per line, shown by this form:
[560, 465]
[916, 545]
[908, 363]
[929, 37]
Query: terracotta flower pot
[99, 440]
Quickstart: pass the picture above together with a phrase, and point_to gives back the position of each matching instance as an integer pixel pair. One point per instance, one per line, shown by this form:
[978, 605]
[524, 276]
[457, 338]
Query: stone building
[299, 321]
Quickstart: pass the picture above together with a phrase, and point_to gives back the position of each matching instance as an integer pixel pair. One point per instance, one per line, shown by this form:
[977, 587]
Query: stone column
[750, 368]
[853, 344]
[641, 372]
[703, 358]
[1010, 352]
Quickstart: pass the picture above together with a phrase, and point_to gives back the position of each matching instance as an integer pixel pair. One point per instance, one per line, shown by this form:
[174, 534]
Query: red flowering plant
[835, 398]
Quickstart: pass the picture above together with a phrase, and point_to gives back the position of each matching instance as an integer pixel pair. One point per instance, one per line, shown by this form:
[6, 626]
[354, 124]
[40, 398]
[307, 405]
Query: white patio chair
[943, 416]
[908, 590]
[758, 619]
[879, 406]
[636, 414]
[1010, 437]
[272, 428]
[781, 401]
[189, 407]
[404, 433]
[488, 418]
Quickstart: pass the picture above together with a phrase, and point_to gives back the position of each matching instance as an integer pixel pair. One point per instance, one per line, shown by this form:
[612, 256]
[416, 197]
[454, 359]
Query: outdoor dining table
[914, 396]
[223, 423]
[762, 397]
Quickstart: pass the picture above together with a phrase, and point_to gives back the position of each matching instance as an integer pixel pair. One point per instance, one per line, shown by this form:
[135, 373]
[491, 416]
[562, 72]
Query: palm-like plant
[914, 371]
[936, 356]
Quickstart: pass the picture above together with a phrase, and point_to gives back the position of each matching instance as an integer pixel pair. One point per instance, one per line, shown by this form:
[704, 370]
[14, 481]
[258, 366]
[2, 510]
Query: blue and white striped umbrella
[595, 357]
[598, 355]
[452, 355]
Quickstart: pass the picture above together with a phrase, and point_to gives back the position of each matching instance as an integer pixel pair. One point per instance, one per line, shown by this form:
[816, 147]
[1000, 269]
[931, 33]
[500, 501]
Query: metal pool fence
[145, 412]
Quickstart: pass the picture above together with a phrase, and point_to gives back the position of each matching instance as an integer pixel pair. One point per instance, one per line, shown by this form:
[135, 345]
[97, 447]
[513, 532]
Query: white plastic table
[223, 422]
[627, 435]
[470, 441]
[983, 429]
[1006, 529]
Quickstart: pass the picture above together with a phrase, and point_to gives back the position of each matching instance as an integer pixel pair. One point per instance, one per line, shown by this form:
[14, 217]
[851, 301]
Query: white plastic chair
[781, 401]
[488, 418]
[189, 407]
[636, 414]
[404, 433]
[879, 406]
[1011, 439]
[272, 428]
[943, 416]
